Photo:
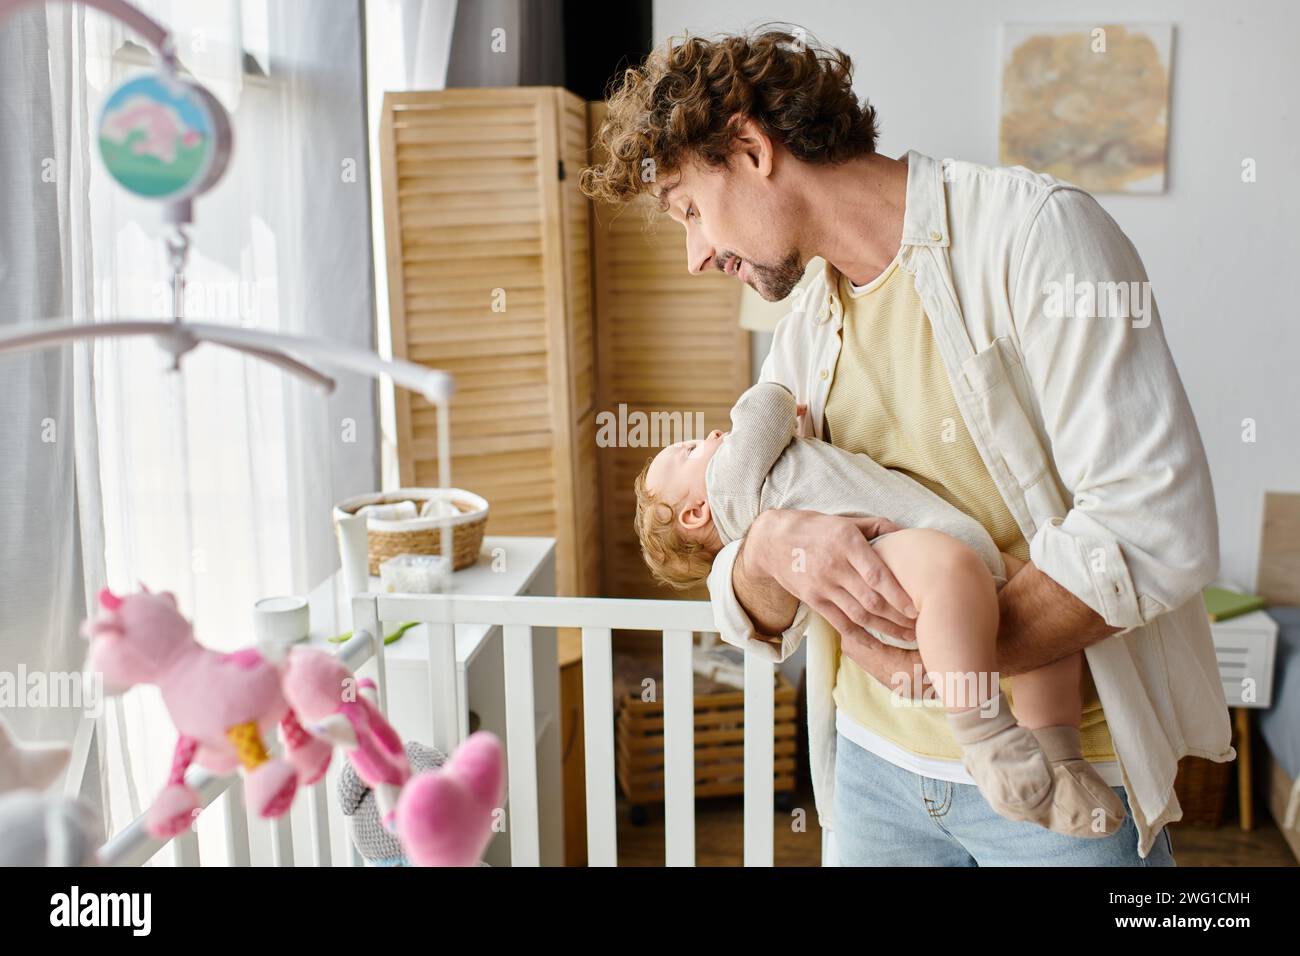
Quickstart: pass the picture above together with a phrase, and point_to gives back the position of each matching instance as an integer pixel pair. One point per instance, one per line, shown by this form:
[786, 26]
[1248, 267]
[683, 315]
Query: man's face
[736, 221]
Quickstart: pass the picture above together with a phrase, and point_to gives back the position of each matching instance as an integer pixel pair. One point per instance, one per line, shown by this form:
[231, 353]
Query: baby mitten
[1039, 776]
[1003, 758]
[1082, 803]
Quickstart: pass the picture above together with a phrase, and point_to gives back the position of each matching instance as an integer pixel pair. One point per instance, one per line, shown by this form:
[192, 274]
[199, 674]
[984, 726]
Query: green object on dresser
[1222, 604]
[402, 629]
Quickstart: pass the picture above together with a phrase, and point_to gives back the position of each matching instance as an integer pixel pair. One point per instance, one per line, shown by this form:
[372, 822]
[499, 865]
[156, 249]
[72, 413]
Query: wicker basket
[1202, 789]
[387, 539]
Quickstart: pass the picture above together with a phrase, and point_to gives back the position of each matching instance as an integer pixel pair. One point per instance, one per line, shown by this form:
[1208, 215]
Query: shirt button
[936, 235]
[824, 374]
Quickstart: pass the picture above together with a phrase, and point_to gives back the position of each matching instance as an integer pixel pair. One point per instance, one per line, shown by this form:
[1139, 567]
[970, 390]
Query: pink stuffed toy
[223, 706]
[444, 816]
[336, 706]
[441, 817]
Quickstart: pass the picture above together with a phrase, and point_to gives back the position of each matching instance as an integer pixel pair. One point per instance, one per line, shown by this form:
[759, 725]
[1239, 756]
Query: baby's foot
[1005, 760]
[1082, 805]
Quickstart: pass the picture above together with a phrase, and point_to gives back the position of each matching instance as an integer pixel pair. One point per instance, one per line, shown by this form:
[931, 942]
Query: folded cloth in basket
[396, 511]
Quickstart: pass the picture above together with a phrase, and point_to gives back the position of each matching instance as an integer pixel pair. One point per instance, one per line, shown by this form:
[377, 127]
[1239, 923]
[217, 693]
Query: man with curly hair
[973, 327]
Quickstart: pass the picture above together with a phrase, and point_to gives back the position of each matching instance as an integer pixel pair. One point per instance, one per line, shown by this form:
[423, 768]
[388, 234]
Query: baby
[696, 496]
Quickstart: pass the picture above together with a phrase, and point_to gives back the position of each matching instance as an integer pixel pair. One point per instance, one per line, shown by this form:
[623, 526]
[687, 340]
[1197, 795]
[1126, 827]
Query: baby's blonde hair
[672, 558]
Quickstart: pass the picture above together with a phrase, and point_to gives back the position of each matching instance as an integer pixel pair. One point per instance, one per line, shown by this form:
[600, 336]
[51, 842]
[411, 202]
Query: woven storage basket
[1202, 789]
[387, 539]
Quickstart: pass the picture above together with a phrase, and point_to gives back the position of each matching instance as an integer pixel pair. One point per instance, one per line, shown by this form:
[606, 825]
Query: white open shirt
[1087, 434]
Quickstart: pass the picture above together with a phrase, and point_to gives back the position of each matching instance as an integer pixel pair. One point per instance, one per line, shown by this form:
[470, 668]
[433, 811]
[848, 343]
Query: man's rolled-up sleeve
[735, 625]
[1141, 533]
[729, 615]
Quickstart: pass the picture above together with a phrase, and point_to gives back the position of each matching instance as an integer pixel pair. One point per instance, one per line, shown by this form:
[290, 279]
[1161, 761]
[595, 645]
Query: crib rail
[521, 620]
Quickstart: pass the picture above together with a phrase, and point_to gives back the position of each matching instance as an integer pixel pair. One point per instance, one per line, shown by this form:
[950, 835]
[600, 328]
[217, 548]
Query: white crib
[517, 617]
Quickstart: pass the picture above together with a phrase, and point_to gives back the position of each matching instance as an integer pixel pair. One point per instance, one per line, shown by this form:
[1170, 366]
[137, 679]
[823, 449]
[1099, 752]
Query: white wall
[1223, 256]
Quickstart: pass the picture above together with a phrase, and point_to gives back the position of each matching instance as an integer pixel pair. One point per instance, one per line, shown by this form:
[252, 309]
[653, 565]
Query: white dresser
[1246, 647]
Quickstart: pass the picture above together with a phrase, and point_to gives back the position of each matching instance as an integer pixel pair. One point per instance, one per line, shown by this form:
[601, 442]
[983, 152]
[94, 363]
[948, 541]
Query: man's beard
[776, 282]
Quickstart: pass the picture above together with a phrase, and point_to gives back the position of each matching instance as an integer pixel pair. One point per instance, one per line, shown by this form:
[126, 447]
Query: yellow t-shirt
[891, 399]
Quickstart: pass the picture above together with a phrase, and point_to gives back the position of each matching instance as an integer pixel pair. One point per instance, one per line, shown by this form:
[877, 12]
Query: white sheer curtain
[44, 272]
[218, 483]
[408, 47]
[215, 483]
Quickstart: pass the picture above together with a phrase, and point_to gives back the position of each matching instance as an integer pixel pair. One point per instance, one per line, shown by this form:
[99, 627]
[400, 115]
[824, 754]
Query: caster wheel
[639, 816]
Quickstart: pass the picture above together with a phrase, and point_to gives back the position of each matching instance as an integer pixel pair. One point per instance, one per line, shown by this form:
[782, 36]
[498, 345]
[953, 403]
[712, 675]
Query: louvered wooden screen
[576, 208]
[667, 342]
[480, 212]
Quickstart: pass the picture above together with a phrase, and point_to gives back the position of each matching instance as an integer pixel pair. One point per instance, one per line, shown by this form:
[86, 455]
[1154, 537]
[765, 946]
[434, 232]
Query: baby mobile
[164, 137]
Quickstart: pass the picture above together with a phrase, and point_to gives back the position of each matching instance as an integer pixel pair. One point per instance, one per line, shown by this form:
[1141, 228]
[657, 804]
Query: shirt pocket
[1012, 435]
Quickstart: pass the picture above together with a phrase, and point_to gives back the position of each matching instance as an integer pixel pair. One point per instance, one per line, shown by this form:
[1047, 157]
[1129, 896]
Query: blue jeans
[887, 816]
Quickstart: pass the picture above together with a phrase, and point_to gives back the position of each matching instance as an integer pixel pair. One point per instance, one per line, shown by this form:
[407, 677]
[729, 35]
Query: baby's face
[677, 473]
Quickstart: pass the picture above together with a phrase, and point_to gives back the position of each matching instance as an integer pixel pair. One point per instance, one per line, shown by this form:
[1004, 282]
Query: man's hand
[897, 669]
[1039, 622]
[900, 670]
[827, 562]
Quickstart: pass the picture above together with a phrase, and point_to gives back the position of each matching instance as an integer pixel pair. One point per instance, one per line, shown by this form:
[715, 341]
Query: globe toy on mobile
[163, 137]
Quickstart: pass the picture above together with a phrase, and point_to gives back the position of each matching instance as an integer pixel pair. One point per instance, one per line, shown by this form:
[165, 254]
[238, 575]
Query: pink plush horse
[223, 706]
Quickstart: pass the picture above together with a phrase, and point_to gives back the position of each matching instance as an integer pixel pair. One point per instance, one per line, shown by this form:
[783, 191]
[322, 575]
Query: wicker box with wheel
[719, 744]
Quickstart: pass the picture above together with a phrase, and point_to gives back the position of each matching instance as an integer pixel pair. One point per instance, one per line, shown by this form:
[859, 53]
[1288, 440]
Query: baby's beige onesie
[763, 465]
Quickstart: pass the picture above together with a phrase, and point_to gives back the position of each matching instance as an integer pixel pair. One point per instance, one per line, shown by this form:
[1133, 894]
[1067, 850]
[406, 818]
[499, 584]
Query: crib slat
[318, 813]
[521, 746]
[238, 852]
[281, 841]
[678, 692]
[598, 743]
[365, 617]
[759, 768]
[443, 705]
[185, 848]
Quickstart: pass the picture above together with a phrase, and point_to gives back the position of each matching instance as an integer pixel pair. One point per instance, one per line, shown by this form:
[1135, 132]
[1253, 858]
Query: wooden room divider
[494, 263]
[668, 343]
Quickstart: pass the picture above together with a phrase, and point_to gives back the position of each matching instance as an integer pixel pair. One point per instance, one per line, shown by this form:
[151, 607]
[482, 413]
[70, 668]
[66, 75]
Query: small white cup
[280, 621]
